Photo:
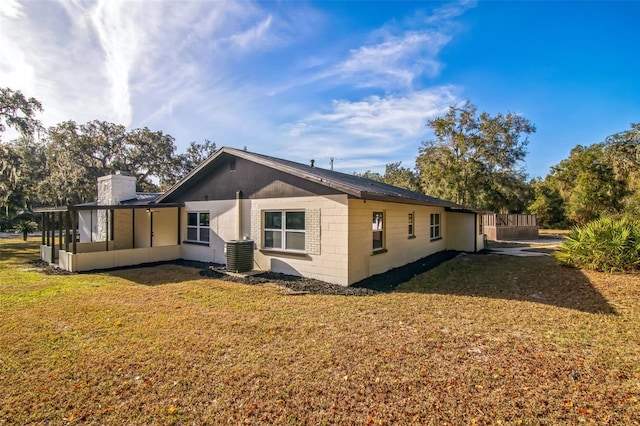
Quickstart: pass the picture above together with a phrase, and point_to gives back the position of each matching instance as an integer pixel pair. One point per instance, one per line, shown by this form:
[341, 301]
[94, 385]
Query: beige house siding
[165, 227]
[461, 231]
[122, 229]
[327, 219]
[223, 225]
[88, 261]
[400, 249]
[142, 231]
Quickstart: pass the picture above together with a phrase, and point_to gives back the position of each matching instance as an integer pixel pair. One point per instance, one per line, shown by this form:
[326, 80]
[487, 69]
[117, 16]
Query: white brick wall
[313, 231]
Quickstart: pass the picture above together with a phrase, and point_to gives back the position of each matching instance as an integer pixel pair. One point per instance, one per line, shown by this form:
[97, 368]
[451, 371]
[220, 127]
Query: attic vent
[232, 164]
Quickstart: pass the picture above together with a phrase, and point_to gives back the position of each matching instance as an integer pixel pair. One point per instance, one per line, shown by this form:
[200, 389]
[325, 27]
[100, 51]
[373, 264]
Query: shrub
[26, 227]
[607, 244]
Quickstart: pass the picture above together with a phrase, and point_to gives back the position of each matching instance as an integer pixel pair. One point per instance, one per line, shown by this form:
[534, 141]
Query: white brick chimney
[113, 189]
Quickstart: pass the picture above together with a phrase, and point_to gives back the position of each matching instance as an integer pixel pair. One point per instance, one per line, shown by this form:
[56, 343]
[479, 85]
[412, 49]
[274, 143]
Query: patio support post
[67, 220]
[74, 226]
[150, 228]
[60, 230]
[106, 239]
[179, 211]
[113, 226]
[53, 237]
[133, 228]
[42, 225]
[45, 228]
[50, 230]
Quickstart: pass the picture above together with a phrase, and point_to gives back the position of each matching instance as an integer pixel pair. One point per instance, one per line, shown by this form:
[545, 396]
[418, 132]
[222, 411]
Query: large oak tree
[78, 154]
[476, 160]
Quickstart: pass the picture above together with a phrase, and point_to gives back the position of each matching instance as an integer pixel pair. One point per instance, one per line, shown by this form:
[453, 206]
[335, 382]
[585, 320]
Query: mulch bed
[47, 269]
[385, 282]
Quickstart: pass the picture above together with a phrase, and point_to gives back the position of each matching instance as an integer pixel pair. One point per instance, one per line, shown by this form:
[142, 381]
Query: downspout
[239, 210]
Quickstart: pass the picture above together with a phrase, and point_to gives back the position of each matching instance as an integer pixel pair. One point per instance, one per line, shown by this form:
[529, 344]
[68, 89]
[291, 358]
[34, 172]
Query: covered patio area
[87, 237]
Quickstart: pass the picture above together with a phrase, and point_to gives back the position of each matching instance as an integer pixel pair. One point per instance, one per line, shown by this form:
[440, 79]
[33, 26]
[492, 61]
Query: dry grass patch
[559, 233]
[480, 339]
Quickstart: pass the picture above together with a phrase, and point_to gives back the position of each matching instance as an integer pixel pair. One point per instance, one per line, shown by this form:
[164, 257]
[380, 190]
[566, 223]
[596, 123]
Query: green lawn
[482, 339]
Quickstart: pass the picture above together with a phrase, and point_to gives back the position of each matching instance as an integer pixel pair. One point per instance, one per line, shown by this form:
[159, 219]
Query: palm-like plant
[606, 244]
[26, 227]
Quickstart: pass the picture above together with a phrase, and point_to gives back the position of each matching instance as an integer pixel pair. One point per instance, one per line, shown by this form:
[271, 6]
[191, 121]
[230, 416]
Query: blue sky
[356, 81]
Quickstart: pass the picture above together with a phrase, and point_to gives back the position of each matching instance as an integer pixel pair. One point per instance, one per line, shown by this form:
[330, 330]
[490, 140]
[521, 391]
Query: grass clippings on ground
[481, 339]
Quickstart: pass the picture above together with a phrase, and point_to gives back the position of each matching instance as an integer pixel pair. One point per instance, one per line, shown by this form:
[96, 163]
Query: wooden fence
[510, 226]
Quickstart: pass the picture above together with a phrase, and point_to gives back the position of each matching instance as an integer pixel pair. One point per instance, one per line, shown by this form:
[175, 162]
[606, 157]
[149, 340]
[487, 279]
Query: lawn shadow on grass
[531, 279]
[157, 273]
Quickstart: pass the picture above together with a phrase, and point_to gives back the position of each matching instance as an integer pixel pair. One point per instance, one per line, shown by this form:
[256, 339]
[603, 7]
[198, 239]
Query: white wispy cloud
[254, 35]
[206, 69]
[11, 9]
[447, 11]
[123, 61]
[368, 132]
[398, 60]
[393, 57]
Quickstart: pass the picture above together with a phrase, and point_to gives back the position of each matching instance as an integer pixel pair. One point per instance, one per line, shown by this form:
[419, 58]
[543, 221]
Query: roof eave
[403, 200]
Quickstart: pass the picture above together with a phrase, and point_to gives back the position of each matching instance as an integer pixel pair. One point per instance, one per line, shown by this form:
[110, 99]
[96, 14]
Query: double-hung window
[198, 227]
[284, 230]
[378, 231]
[434, 226]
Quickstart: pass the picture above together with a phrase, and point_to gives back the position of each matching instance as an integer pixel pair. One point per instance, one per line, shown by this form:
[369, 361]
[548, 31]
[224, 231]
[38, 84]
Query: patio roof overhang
[91, 206]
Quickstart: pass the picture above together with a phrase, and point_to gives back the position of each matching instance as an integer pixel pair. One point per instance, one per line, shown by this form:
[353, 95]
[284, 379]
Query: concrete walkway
[540, 243]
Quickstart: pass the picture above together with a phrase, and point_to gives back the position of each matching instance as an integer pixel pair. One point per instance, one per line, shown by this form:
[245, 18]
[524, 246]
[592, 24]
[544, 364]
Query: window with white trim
[410, 226]
[480, 225]
[378, 231]
[284, 230]
[434, 226]
[198, 227]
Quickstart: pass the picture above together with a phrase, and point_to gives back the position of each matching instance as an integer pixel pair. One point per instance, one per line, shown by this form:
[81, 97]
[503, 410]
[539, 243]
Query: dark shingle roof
[142, 198]
[367, 188]
[355, 186]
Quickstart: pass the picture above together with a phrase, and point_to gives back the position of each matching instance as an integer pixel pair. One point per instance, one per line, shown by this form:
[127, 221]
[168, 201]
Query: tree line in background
[474, 159]
[60, 165]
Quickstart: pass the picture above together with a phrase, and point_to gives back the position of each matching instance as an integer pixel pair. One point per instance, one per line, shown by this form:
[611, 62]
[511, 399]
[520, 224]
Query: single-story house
[303, 220]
